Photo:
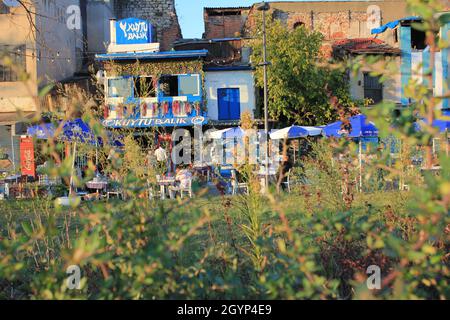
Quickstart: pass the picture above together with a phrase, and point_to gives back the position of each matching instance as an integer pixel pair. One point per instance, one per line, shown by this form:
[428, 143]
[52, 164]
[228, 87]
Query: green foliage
[298, 78]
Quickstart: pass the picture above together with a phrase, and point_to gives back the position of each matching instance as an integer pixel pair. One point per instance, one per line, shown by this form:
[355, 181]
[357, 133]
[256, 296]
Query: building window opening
[373, 88]
[119, 88]
[418, 39]
[189, 85]
[144, 87]
[12, 62]
[168, 86]
[297, 25]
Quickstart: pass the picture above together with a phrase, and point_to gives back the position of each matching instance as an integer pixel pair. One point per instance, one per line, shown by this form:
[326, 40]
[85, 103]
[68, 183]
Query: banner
[155, 122]
[27, 163]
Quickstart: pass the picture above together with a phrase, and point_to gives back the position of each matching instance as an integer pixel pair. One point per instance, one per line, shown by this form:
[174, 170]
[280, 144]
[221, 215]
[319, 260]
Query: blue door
[229, 104]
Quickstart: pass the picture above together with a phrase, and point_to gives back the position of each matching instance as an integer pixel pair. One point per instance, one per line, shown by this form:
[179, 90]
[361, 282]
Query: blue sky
[190, 13]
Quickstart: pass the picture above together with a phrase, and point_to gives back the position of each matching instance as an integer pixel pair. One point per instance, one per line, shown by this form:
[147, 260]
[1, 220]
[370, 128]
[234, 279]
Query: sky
[190, 13]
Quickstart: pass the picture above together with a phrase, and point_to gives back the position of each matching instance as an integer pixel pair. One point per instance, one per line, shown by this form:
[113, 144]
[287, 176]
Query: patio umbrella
[442, 125]
[72, 131]
[236, 132]
[360, 128]
[293, 132]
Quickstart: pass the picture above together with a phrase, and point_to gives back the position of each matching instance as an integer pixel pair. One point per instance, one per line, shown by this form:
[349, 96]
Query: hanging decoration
[187, 108]
[144, 109]
[176, 108]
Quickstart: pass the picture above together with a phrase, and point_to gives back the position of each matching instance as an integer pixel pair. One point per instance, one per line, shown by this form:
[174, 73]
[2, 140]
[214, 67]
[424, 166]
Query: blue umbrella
[72, 131]
[359, 128]
[293, 132]
[442, 125]
[229, 133]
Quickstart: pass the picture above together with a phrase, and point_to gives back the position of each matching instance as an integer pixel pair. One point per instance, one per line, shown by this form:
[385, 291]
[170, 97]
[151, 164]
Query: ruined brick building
[336, 20]
[224, 22]
[227, 27]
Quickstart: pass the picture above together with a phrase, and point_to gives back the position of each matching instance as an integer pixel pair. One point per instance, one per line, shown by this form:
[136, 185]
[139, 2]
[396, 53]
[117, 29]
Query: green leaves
[298, 76]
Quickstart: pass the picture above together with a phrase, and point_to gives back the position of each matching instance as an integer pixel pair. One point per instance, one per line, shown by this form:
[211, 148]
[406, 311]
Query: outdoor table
[435, 169]
[97, 184]
[163, 182]
[203, 168]
[261, 174]
[13, 178]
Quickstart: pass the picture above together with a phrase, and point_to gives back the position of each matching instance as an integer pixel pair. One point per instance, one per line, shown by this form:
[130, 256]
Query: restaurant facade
[146, 87]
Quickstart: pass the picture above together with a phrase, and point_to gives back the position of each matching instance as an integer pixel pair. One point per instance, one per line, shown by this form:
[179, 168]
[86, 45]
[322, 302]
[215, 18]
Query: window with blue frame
[120, 87]
[143, 86]
[179, 85]
[168, 86]
[189, 85]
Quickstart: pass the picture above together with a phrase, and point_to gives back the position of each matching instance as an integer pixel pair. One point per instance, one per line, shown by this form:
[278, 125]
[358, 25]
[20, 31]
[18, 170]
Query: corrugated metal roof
[152, 55]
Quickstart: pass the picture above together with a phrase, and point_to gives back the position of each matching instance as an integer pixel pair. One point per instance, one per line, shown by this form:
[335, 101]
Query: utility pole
[265, 7]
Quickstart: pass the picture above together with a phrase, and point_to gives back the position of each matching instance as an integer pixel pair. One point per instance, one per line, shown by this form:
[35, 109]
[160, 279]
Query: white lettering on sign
[134, 31]
[143, 122]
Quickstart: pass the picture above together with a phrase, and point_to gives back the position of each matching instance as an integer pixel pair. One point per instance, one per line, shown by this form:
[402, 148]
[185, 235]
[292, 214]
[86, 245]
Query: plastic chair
[237, 186]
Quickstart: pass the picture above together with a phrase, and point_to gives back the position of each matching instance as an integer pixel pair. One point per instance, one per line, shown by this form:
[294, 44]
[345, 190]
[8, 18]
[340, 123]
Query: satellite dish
[11, 3]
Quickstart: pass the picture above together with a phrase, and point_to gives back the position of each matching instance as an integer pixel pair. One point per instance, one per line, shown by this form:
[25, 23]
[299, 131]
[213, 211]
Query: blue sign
[155, 122]
[133, 31]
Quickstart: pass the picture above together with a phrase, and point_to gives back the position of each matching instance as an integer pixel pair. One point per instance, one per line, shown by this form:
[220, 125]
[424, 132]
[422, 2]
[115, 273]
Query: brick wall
[161, 13]
[224, 23]
[335, 20]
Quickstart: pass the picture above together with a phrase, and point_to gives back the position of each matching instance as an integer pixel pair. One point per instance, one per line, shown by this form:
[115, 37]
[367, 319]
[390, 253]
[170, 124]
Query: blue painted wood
[405, 67]
[229, 103]
[445, 55]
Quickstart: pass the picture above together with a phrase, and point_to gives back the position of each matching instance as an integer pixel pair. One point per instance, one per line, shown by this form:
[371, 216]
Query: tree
[299, 80]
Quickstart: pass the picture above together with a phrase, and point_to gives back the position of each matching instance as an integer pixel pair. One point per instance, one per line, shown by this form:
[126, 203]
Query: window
[297, 25]
[373, 88]
[417, 39]
[119, 88]
[168, 86]
[143, 87]
[189, 85]
[12, 62]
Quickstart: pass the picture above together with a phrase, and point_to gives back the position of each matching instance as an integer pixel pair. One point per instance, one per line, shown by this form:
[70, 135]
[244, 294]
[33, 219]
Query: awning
[152, 55]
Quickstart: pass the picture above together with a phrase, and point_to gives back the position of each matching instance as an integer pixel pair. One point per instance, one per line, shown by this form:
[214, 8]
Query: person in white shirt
[184, 176]
[160, 154]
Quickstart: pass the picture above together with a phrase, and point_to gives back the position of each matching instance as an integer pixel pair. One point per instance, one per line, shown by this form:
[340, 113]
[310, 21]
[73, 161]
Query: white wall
[391, 87]
[229, 79]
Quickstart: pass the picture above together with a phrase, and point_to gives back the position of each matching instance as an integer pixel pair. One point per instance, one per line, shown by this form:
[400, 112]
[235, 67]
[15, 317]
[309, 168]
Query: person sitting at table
[283, 171]
[184, 178]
